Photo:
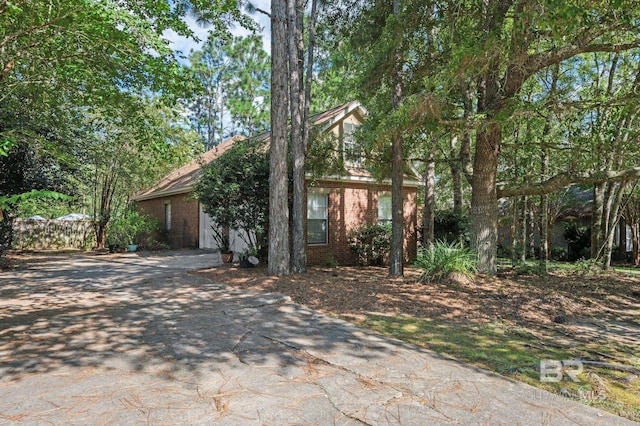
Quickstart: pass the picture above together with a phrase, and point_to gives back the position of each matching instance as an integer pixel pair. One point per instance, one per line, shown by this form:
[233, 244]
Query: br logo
[552, 370]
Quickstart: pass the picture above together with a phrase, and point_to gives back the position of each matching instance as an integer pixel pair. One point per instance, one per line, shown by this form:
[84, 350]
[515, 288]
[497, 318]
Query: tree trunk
[299, 210]
[513, 249]
[531, 236]
[456, 177]
[279, 255]
[523, 230]
[396, 252]
[428, 215]
[484, 205]
[621, 252]
[544, 217]
[614, 216]
[596, 218]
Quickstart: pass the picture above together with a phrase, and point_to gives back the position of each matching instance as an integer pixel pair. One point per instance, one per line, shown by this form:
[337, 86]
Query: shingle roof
[183, 179]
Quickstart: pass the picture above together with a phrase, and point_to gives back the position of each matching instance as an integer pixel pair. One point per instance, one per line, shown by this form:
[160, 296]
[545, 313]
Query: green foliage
[7, 201]
[443, 259]
[371, 244]
[451, 227]
[234, 190]
[232, 77]
[579, 241]
[559, 253]
[132, 228]
[6, 232]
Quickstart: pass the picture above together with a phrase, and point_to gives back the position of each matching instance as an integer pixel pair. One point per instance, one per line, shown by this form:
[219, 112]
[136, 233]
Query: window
[167, 216]
[384, 208]
[352, 152]
[317, 218]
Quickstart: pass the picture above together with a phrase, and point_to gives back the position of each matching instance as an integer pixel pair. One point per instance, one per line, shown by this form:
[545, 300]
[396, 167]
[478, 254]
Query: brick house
[335, 204]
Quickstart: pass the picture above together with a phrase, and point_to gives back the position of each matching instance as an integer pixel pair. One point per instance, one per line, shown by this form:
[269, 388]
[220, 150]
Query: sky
[184, 44]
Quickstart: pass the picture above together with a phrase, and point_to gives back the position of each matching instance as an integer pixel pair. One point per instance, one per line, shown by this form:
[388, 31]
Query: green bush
[579, 241]
[371, 244]
[443, 259]
[133, 228]
[451, 227]
[559, 253]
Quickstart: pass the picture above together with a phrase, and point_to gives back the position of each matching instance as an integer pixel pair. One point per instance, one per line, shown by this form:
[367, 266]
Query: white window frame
[384, 216]
[313, 211]
[350, 145]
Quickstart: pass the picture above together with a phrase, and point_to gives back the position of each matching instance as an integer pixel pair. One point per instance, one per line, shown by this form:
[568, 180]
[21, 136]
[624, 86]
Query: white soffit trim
[161, 194]
[364, 179]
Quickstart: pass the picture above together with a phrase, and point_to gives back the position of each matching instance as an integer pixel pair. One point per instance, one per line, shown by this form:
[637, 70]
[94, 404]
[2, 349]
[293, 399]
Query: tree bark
[523, 230]
[544, 217]
[299, 210]
[279, 255]
[456, 177]
[484, 206]
[396, 253]
[596, 218]
[614, 217]
[428, 215]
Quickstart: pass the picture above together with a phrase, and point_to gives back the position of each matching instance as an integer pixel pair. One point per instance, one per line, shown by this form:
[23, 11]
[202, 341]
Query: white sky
[184, 44]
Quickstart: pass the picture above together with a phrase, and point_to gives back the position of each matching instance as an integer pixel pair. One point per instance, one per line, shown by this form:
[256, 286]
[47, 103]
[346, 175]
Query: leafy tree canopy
[234, 191]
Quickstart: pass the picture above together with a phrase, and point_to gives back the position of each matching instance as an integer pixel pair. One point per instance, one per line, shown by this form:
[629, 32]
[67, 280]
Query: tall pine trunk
[428, 215]
[396, 254]
[456, 177]
[279, 255]
[299, 242]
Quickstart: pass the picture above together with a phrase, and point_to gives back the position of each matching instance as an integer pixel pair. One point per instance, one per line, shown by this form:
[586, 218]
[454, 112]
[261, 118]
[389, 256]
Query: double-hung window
[384, 208]
[317, 213]
[352, 151]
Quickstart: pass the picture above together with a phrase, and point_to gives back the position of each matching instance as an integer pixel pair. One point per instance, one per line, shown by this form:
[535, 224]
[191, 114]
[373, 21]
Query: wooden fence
[52, 234]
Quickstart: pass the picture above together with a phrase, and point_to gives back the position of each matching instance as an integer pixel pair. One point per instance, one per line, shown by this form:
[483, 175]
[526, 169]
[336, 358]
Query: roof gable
[183, 179]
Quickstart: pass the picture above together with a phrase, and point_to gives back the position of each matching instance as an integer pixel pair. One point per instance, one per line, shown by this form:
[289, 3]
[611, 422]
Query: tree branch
[562, 180]
[264, 12]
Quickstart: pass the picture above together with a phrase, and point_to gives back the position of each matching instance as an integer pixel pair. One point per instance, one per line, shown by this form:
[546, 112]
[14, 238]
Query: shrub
[133, 228]
[442, 260]
[579, 241]
[559, 253]
[450, 226]
[371, 244]
[6, 232]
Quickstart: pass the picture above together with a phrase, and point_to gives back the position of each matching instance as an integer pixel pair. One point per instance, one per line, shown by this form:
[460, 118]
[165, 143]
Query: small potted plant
[248, 258]
[221, 237]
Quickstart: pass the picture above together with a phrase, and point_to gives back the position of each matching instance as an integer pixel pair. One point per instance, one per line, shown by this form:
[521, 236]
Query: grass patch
[514, 352]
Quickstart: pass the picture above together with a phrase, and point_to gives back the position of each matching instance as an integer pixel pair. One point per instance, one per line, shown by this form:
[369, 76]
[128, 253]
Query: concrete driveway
[134, 339]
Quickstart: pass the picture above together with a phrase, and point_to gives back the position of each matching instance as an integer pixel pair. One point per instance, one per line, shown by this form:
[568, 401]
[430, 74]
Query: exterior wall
[185, 224]
[351, 205]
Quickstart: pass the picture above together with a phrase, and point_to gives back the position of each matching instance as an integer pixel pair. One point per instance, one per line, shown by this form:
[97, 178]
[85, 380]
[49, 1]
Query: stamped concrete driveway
[134, 339]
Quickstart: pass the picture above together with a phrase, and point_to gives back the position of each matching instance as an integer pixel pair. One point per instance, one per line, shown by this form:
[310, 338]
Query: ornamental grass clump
[445, 261]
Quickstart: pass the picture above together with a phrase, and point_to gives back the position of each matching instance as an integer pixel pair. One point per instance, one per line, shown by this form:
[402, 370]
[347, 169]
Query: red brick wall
[185, 218]
[352, 205]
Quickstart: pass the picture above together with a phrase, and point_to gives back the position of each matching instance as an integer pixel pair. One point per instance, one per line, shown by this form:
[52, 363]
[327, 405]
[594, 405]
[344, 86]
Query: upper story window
[384, 208]
[317, 214]
[352, 151]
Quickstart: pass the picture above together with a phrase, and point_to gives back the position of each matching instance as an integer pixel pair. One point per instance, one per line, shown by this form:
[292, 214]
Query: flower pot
[227, 257]
[133, 247]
